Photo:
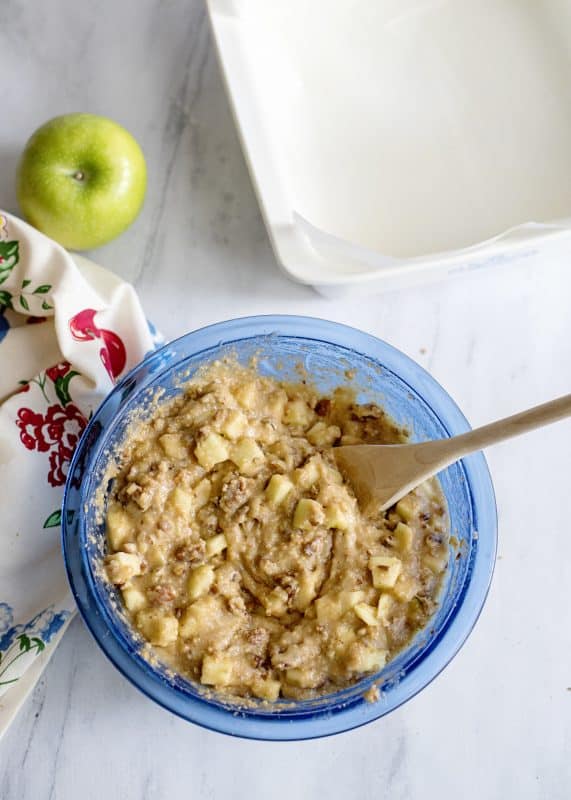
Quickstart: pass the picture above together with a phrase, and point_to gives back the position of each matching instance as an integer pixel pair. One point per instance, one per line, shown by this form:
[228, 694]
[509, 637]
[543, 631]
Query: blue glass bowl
[381, 374]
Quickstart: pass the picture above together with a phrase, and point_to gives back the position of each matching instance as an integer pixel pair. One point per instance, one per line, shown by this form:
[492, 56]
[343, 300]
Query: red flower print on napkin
[59, 462]
[113, 353]
[65, 425]
[30, 424]
[58, 431]
[58, 370]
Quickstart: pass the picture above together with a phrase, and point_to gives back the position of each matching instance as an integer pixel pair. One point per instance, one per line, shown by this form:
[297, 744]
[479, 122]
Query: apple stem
[79, 175]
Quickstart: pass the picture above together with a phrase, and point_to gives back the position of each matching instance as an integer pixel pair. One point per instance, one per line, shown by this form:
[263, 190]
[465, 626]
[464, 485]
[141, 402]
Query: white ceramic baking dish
[398, 141]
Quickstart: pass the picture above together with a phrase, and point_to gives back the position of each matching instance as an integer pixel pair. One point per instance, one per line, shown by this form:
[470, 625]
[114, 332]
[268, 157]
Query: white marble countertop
[497, 723]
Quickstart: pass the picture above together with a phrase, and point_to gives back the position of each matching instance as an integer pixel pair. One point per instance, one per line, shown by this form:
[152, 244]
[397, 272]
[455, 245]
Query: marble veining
[497, 722]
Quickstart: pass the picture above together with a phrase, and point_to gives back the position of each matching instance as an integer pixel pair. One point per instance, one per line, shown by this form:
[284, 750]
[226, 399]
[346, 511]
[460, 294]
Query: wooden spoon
[383, 473]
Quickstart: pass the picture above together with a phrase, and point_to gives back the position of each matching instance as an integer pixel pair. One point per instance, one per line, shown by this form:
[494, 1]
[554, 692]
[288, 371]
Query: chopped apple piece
[216, 544]
[367, 613]
[333, 606]
[348, 439]
[190, 621]
[234, 424]
[275, 405]
[405, 588]
[435, 563]
[403, 535]
[407, 507]
[344, 634]
[200, 580]
[155, 556]
[349, 599]
[119, 527]
[247, 395]
[182, 501]
[308, 513]
[428, 489]
[159, 628]
[197, 618]
[323, 435]
[202, 493]
[299, 677]
[247, 456]
[336, 517]
[307, 475]
[298, 413]
[121, 567]
[266, 689]
[307, 590]
[173, 446]
[133, 598]
[366, 659]
[385, 570]
[212, 450]
[333, 476]
[384, 607]
[217, 670]
[278, 489]
[266, 432]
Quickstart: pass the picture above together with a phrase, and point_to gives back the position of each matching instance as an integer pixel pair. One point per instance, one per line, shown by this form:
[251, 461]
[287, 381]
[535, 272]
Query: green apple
[81, 180]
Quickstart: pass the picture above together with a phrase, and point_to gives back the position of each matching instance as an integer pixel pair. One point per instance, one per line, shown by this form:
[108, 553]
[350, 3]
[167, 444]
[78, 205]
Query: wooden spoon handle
[445, 451]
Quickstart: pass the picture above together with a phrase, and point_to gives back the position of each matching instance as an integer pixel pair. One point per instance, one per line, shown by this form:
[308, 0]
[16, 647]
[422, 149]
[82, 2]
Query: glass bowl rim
[431, 660]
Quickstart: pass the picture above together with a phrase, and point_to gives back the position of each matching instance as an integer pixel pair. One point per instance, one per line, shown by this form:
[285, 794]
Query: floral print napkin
[68, 331]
